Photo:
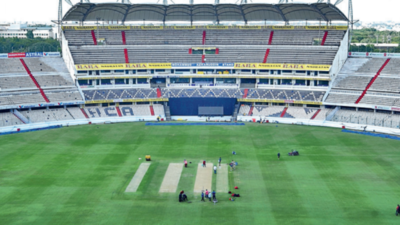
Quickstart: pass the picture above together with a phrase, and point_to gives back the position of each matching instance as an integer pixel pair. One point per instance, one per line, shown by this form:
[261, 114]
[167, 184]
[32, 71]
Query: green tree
[29, 34]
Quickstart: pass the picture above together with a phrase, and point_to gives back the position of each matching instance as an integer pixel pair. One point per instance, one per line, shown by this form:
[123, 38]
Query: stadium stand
[213, 37]
[9, 119]
[383, 119]
[227, 54]
[46, 115]
[126, 110]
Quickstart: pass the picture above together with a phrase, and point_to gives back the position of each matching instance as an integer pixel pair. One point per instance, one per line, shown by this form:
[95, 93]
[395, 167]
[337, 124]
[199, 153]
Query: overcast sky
[46, 10]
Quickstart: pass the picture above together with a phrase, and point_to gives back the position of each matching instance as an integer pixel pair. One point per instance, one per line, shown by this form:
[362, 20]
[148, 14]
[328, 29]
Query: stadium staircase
[167, 111]
[284, 112]
[235, 112]
[203, 57]
[324, 38]
[251, 110]
[94, 38]
[204, 37]
[123, 37]
[372, 81]
[119, 111]
[266, 56]
[316, 114]
[271, 35]
[159, 94]
[20, 116]
[70, 114]
[84, 113]
[246, 91]
[34, 80]
[126, 55]
[152, 110]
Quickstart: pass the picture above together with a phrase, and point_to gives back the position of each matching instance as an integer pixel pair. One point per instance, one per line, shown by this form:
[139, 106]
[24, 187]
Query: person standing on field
[397, 210]
[219, 161]
[202, 196]
[209, 196]
[279, 155]
[204, 163]
[215, 169]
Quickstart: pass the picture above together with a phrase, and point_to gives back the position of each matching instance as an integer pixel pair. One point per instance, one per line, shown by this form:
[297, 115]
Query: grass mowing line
[171, 178]
[222, 179]
[137, 178]
[203, 178]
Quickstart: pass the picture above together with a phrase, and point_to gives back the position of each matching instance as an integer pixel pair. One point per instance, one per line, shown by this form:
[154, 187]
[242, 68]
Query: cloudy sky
[46, 10]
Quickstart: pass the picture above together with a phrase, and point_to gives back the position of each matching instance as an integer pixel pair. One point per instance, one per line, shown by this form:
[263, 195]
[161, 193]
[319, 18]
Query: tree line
[29, 44]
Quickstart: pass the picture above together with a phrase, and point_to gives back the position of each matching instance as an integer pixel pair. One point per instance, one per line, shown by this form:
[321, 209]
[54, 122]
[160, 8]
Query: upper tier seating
[179, 54]
[213, 37]
[393, 67]
[344, 98]
[34, 97]
[372, 66]
[352, 82]
[11, 66]
[16, 82]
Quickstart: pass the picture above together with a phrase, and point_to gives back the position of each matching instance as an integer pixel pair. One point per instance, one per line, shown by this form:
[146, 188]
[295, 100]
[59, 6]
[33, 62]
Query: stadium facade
[119, 73]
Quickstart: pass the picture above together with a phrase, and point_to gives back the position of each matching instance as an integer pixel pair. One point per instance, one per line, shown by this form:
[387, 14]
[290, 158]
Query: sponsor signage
[376, 54]
[204, 27]
[383, 107]
[176, 65]
[51, 54]
[34, 54]
[4, 55]
[306, 67]
[16, 55]
[119, 27]
[151, 27]
[218, 27]
[283, 27]
[184, 27]
[249, 27]
[316, 27]
[129, 100]
[279, 101]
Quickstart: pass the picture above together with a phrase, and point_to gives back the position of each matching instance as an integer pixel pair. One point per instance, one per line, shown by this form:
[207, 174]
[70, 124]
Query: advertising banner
[51, 54]
[283, 27]
[16, 55]
[306, 67]
[178, 65]
[34, 54]
[184, 27]
[151, 27]
[279, 101]
[338, 27]
[218, 27]
[316, 27]
[394, 55]
[249, 27]
[119, 27]
[376, 54]
[383, 107]
[2, 56]
[123, 66]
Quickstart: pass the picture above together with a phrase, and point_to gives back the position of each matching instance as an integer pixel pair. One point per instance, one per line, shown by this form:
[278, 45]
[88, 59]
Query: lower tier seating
[367, 117]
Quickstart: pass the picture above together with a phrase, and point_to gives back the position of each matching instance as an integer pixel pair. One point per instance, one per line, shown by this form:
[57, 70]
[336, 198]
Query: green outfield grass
[78, 175]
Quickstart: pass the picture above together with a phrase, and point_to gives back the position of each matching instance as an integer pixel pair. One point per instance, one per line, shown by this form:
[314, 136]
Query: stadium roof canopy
[84, 12]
